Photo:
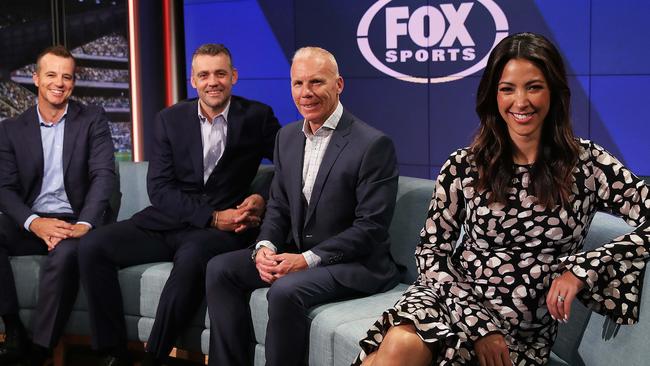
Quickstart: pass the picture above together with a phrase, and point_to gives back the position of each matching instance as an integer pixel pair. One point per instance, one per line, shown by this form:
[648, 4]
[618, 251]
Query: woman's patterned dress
[497, 279]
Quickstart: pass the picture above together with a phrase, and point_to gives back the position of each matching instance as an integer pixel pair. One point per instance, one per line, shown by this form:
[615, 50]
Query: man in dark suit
[56, 177]
[333, 196]
[205, 155]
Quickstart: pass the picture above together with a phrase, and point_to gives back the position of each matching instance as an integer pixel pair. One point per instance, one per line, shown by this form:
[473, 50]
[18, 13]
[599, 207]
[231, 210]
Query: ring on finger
[560, 298]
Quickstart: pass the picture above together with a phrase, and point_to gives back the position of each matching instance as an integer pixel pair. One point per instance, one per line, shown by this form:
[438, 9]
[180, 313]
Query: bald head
[317, 53]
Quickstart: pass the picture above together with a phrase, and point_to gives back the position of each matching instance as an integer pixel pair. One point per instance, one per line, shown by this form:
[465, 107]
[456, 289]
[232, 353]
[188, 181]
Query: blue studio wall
[411, 68]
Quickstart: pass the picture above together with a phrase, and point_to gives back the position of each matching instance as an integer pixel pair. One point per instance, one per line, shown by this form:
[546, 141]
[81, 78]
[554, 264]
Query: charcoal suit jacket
[179, 197]
[346, 221]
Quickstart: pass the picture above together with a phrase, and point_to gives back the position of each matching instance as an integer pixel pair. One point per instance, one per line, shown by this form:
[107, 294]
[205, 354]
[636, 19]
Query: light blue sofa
[337, 327]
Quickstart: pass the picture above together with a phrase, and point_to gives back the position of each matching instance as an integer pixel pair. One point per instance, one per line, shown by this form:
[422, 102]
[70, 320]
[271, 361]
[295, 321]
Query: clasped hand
[272, 266]
[246, 215]
[52, 231]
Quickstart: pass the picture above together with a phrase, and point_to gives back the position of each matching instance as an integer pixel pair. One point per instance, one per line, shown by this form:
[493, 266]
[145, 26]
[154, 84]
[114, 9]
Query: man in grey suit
[333, 196]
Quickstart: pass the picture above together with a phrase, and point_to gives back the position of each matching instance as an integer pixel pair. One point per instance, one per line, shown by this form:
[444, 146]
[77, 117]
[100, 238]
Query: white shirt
[315, 146]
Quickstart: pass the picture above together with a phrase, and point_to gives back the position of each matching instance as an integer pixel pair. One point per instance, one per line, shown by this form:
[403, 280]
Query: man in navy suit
[205, 155]
[333, 196]
[56, 177]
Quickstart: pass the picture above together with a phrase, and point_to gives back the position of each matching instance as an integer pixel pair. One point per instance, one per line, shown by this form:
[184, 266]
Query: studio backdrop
[411, 68]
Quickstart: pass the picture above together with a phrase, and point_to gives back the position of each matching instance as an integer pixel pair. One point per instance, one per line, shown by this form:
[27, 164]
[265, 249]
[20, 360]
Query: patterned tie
[216, 143]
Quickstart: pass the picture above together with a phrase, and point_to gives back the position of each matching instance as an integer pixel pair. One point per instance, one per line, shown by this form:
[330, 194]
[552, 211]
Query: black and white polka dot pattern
[497, 279]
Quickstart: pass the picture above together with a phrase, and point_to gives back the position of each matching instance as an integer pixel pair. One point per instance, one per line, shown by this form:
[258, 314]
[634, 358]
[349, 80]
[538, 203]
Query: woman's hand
[492, 350]
[561, 294]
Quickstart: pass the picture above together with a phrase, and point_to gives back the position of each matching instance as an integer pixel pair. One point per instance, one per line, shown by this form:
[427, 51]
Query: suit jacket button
[308, 236]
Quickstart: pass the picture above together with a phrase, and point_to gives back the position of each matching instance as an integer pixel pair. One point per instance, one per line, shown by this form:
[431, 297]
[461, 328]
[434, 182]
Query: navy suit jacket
[175, 184]
[351, 206]
[88, 163]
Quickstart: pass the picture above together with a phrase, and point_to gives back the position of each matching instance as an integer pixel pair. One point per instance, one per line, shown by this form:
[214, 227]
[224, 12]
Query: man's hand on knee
[79, 230]
[52, 231]
[265, 264]
[289, 262]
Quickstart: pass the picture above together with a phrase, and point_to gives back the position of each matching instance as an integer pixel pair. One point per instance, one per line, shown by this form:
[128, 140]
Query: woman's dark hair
[551, 174]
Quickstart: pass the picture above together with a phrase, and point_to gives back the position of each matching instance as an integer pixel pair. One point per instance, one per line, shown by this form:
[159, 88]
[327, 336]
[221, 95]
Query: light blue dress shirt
[53, 198]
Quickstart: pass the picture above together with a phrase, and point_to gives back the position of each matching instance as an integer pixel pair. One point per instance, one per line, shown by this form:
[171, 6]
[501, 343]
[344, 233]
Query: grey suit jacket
[351, 207]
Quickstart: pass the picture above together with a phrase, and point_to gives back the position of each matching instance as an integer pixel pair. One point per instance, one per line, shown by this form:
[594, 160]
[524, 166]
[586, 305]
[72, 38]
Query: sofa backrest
[133, 186]
[411, 206]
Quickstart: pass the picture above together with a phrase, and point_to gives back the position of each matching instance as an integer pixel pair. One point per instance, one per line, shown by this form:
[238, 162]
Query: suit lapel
[235, 127]
[32, 134]
[334, 149]
[296, 150]
[192, 132]
[71, 130]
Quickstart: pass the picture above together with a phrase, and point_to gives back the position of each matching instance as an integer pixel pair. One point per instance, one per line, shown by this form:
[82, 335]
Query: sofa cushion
[346, 340]
[153, 277]
[130, 284]
[605, 343]
[26, 270]
[325, 319]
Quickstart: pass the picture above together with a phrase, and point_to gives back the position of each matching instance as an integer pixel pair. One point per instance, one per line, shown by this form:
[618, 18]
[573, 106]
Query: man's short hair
[212, 49]
[57, 50]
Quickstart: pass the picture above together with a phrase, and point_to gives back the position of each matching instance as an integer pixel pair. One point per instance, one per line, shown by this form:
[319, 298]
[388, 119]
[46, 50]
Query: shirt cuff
[29, 220]
[312, 259]
[85, 223]
[268, 244]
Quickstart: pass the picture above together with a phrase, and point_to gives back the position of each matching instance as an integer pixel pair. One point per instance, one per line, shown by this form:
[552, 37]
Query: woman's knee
[403, 340]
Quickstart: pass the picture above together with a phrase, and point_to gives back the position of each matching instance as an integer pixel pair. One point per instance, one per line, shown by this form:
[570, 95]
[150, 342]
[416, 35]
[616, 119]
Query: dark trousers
[124, 244]
[231, 277]
[59, 279]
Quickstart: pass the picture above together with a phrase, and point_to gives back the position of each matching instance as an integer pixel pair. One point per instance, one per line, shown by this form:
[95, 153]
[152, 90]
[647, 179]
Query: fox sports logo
[444, 41]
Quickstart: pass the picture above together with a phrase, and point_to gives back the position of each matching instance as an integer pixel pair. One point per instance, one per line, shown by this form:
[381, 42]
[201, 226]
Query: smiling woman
[525, 193]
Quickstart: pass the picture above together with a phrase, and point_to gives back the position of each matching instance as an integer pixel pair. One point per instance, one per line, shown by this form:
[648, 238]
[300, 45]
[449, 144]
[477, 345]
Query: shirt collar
[224, 114]
[330, 123]
[42, 122]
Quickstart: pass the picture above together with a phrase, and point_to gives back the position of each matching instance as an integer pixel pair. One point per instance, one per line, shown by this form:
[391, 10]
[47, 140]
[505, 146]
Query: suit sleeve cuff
[29, 220]
[312, 259]
[85, 223]
[268, 244]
